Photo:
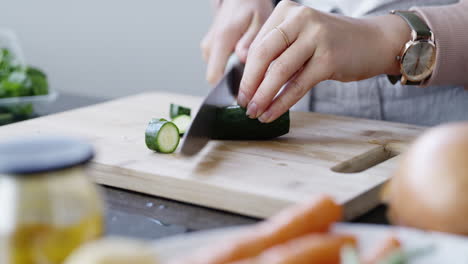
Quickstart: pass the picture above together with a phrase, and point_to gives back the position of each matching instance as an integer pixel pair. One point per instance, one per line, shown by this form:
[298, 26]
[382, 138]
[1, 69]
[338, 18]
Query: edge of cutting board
[240, 202]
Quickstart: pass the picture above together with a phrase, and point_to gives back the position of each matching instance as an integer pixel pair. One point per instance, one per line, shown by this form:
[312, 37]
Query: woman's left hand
[302, 47]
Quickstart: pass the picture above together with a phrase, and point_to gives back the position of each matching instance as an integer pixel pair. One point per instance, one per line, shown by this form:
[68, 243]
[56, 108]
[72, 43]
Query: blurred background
[113, 48]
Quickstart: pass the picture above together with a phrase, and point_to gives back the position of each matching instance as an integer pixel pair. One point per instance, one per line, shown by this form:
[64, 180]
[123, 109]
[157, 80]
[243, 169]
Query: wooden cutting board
[321, 154]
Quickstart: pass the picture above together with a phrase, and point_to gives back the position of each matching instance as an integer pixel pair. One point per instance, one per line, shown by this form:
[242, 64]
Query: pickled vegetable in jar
[48, 206]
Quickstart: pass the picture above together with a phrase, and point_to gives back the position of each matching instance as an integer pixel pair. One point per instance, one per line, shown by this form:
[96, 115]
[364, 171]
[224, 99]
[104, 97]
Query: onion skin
[429, 190]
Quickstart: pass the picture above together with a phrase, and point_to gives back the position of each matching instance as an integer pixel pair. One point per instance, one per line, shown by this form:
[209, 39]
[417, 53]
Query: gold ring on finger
[285, 37]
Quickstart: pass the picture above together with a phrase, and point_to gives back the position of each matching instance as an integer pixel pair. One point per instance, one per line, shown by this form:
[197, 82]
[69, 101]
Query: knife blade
[224, 94]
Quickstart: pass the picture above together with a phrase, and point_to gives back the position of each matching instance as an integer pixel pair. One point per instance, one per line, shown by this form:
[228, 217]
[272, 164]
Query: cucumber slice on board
[232, 123]
[158, 120]
[177, 110]
[182, 122]
[162, 136]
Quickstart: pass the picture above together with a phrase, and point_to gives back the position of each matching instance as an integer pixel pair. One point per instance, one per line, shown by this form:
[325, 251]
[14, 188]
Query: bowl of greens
[23, 88]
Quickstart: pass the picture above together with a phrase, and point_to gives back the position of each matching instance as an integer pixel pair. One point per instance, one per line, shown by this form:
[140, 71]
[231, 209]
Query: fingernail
[242, 99]
[252, 110]
[265, 117]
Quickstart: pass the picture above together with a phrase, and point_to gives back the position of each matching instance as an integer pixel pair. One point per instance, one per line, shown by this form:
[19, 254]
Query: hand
[235, 26]
[304, 46]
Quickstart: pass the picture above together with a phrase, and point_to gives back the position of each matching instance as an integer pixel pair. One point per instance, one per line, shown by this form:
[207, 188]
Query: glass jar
[48, 206]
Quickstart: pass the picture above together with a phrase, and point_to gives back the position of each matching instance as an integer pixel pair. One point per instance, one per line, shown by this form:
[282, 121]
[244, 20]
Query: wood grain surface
[347, 158]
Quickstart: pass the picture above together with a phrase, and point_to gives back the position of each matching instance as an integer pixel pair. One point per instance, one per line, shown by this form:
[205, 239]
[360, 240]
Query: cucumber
[162, 136]
[157, 120]
[177, 110]
[182, 122]
[232, 123]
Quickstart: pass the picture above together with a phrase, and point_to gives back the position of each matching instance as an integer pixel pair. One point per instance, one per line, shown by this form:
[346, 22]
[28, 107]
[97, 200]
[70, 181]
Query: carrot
[313, 216]
[383, 250]
[310, 249]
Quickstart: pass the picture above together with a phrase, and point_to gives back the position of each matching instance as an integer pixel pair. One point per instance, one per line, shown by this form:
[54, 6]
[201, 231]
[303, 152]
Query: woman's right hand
[300, 46]
[235, 26]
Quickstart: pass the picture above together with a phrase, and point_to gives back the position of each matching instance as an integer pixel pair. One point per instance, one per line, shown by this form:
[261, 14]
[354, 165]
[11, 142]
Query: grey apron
[377, 98]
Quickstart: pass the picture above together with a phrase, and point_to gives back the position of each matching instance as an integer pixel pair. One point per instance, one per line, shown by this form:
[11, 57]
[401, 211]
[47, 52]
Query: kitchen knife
[224, 94]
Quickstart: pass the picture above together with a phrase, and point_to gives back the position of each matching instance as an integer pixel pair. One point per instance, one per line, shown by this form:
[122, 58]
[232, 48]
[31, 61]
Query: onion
[430, 188]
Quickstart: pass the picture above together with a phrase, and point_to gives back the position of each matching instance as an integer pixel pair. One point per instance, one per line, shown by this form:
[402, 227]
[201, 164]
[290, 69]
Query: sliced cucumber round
[182, 122]
[155, 120]
[162, 136]
[177, 110]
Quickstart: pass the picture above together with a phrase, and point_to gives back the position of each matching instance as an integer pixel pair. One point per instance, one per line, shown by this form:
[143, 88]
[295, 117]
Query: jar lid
[42, 153]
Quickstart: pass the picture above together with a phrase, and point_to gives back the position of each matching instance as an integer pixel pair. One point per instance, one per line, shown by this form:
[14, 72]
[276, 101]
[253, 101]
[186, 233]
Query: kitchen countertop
[147, 217]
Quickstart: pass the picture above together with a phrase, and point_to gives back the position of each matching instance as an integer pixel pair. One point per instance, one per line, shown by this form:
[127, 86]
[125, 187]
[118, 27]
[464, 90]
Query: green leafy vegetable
[15, 85]
[17, 81]
[38, 83]
[7, 63]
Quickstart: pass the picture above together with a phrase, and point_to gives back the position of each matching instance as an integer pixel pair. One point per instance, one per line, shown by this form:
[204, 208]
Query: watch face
[418, 60]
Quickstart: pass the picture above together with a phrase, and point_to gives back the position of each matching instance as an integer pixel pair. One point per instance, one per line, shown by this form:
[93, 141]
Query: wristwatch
[417, 58]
